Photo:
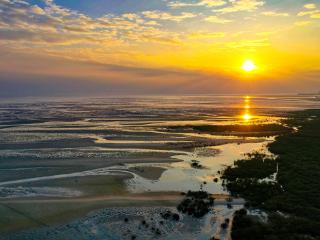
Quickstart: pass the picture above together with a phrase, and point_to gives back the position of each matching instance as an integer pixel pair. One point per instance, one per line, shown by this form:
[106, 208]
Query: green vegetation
[299, 166]
[277, 228]
[260, 166]
[244, 178]
[293, 202]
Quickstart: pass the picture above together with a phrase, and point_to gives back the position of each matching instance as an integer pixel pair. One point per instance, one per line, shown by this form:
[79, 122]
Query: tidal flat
[82, 173]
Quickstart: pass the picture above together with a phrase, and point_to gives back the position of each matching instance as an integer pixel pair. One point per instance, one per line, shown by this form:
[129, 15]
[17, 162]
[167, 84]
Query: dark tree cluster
[196, 164]
[168, 215]
[244, 178]
[260, 166]
[247, 227]
[225, 224]
[196, 204]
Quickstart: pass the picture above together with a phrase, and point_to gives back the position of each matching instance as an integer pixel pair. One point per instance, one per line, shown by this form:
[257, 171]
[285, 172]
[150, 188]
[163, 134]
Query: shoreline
[55, 212]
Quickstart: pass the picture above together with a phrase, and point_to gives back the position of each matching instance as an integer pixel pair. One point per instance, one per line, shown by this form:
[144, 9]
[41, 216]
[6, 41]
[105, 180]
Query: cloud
[311, 14]
[52, 76]
[310, 6]
[37, 10]
[302, 23]
[311, 11]
[315, 15]
[23, 22]
[275, 14]
[203, 35]
[106, 50]
[255, 43]
[240, 5]
[48, 75]
[216, 19]
[206, 3]
[159, 15]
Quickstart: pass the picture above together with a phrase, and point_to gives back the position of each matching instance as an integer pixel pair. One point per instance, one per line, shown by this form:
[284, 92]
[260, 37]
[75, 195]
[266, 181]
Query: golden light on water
[248, 66]
[246, 117]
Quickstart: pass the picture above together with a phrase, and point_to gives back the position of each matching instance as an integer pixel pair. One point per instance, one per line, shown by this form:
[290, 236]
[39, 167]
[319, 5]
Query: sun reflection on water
[247, 116]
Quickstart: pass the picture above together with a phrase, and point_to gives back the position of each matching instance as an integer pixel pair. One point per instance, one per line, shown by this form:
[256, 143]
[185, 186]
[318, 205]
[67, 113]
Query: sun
[248, 66]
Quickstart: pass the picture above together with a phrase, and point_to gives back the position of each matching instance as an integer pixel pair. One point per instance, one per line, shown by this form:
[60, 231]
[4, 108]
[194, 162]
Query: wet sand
[22, 214]
[148, 172]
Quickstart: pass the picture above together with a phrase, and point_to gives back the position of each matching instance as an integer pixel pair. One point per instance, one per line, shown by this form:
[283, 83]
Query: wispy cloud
[310, 6]
[216, 19]
[21, 21]
[255, 43]
[311, 14]
[241, 5]
[205, 35]
[206, 3]
[159, 15]
[275, 14]
[302, 23]
[310, 10]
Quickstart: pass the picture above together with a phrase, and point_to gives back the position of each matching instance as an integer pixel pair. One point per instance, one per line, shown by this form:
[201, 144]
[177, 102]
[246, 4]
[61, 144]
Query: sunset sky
[87, 47]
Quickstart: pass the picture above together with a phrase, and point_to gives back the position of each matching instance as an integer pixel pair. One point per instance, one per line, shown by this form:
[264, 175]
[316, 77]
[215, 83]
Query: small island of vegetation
[196, 204]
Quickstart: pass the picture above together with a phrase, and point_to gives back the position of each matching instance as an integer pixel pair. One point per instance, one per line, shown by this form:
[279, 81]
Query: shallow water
[44, 141]
[45, 138]
[182, 177]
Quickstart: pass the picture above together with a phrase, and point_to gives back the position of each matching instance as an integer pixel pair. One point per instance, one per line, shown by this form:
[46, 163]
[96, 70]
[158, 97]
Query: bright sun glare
[248, 66]
[246, 117]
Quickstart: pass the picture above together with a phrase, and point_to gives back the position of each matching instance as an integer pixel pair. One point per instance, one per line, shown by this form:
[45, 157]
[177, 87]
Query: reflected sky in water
[63, 136]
